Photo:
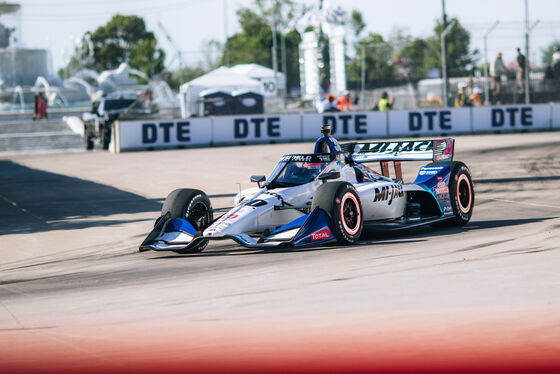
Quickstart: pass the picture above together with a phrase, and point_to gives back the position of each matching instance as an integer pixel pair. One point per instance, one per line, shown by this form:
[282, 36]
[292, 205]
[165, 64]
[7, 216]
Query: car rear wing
[401, 150]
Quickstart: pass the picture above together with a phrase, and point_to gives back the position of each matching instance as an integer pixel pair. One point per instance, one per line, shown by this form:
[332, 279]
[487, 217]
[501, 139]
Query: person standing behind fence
[462, 99]
[521, 71]
[497, 70]
[344, 102]
[329, 105]
[384, 103]
[42, 106]
[476, 97]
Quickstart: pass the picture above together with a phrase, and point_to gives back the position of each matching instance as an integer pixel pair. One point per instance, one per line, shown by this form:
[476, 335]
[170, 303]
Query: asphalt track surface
[77, 296]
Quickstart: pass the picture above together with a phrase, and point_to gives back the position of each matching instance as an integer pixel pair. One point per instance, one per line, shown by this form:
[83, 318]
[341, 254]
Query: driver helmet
[325, 128]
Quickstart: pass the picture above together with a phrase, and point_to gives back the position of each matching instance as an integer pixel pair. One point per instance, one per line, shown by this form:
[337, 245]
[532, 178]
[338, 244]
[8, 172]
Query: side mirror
[258, 179]
[329, 175]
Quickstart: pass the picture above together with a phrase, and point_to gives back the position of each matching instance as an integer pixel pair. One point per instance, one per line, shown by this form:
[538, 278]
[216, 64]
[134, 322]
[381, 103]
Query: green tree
[379, 66]
[460, 59]
[412, 57]
[357, 22]
[253, 44]
[122, 39]
[549, 51]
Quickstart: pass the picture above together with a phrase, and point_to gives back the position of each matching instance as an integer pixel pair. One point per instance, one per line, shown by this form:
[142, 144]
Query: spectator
[556, 57]
[42, 106]
[521, 71]
[476, 98]
[462, 100]
[329, 105]
[497, 70]
[384, 103]
[344, 102]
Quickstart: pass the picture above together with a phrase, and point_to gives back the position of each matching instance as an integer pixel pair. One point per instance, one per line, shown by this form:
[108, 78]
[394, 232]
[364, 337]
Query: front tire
[192, 205]
[341, 202]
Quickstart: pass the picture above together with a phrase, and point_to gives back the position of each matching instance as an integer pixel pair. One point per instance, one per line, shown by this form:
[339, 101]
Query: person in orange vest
[475, 97]
[344, 102]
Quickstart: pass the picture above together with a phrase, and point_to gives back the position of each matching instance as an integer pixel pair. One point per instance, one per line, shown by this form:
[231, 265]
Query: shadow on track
[33, 200]
[372, 237]
[428, 231]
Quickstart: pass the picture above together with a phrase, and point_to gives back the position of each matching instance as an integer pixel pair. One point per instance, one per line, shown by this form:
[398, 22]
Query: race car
[316, 199]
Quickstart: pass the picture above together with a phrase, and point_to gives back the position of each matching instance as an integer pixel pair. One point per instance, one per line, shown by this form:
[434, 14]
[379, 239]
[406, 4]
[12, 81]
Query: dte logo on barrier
[242, 129]
[150, 132]
[341, 125]
[512, 116]
[430, 119]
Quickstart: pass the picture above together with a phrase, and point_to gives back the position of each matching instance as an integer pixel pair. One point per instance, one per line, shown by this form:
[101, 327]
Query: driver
[326, 143]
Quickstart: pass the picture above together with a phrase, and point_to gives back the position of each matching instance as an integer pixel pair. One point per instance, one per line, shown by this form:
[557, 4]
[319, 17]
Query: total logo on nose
[320, 235]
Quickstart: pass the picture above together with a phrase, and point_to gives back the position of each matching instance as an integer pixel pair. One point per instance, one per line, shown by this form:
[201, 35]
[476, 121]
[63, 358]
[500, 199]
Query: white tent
[223, 79]
[264, 75]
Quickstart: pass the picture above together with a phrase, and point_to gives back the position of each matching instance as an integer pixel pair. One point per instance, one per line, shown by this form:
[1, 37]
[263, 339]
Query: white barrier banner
[556, 116]
[511, 117]
[429, 121]
[236, 129]
[353, 125]
[164, 133]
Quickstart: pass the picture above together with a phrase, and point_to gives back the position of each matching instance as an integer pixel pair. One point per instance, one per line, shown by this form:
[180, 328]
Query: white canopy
[223, 79]
[264, 75]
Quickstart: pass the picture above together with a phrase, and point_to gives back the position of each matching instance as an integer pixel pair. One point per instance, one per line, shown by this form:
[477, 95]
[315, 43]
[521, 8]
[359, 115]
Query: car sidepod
[308, 230]
[435, 179]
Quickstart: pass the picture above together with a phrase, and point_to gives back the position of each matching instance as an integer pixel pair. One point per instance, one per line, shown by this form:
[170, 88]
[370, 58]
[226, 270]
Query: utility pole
[177, 49]
[528, 29]
[445, 30]
[363, 77]
[526, 52]
[444, 60]
[284, 62]
[274, 54]
[486, 83]
[226, 52]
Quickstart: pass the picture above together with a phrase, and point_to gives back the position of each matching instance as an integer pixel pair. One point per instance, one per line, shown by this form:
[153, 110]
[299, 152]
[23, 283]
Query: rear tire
[461, 192]
[341, 202]
[192, 205]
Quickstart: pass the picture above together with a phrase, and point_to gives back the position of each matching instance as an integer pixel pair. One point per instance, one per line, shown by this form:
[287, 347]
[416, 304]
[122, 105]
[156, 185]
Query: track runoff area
[76, 295]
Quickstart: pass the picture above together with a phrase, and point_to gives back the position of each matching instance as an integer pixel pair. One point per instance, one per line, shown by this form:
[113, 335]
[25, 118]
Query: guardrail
[254, 129]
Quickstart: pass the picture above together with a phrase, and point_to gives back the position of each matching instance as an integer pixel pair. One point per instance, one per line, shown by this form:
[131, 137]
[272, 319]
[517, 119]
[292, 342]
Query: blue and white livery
[315, 199]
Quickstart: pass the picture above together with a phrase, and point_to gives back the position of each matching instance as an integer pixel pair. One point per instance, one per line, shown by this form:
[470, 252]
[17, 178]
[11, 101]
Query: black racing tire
[192, 205]
[341, 202]
[461, 192]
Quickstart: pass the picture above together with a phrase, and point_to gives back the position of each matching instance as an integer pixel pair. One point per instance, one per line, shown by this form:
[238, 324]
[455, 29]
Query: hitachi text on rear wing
[397, 151]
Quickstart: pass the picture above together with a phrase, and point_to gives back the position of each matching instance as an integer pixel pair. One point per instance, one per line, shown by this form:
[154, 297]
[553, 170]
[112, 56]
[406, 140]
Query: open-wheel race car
[314, 199]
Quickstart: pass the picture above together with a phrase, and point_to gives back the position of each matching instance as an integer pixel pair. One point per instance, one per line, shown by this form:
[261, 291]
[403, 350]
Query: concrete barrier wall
[253, 129]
